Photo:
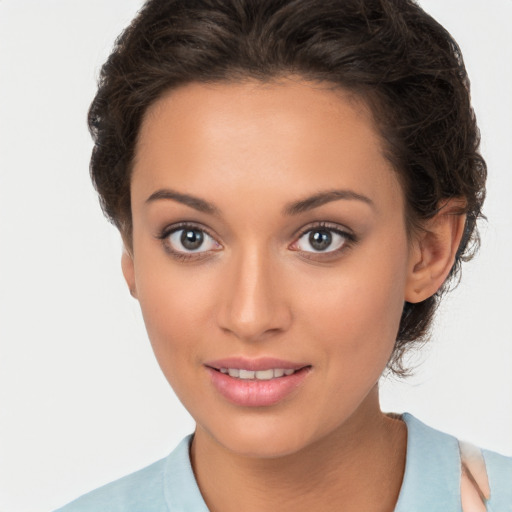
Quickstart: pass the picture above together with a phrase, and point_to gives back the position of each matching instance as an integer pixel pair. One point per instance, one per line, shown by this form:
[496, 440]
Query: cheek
[357, 310]
[173, 318]
[174, 304]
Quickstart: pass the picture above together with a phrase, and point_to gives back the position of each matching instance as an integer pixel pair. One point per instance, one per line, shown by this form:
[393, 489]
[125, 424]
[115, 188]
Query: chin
[263, 437]
[268, 446]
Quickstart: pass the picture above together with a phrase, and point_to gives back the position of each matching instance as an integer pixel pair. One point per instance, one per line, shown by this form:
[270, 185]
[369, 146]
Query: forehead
[286, 135]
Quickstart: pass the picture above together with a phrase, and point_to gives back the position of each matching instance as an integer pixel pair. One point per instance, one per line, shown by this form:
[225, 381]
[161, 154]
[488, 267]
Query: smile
[260, 382]
[271, 373]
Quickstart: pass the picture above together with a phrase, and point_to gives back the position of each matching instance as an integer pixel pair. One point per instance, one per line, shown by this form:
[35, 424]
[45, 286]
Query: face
[270, 258]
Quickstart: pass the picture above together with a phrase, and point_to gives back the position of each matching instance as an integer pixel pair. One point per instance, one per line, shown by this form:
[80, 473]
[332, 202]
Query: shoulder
[131, 492]
[143, 490]
[434, 463]
[499, 471]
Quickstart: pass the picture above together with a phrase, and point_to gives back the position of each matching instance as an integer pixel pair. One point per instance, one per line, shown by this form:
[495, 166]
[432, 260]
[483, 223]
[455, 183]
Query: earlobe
[433, 254]
[129, 272]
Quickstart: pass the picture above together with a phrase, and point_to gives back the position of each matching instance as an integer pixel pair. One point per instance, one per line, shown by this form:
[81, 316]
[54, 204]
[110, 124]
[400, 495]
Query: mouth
[244, 374]
[257, 383]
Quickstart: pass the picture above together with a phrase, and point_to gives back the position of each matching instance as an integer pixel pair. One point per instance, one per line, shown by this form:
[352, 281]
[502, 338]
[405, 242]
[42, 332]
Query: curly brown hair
[390, 53]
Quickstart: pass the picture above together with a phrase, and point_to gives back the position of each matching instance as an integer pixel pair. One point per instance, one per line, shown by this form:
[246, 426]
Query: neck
[359, 466]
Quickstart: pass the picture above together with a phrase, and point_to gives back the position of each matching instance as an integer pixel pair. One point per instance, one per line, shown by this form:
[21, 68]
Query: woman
[296, 184]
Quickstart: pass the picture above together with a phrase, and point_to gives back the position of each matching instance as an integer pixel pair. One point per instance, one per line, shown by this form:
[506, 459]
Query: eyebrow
[321, 198]
[194, 202]
[291, 209]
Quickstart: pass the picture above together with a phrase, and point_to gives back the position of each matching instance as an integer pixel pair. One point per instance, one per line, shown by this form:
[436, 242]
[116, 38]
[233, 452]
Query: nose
[253, 304]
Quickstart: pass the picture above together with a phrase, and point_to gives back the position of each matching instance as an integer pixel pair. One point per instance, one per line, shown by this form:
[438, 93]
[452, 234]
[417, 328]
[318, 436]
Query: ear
[433, 252]
[129, 271]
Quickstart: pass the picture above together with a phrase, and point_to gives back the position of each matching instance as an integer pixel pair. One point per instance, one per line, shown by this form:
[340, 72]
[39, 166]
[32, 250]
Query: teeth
[265, 374]
[271, 373]
[246, 374]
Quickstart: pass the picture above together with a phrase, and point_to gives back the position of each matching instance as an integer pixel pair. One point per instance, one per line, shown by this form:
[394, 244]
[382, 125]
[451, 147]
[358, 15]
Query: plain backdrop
[82, 400]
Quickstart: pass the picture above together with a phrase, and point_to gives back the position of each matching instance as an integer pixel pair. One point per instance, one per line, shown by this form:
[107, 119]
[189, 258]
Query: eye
[187, 241]
[323, 239]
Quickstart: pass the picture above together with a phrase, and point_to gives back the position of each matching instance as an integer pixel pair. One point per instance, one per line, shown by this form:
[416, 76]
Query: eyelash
[182, 226]
[349, 240]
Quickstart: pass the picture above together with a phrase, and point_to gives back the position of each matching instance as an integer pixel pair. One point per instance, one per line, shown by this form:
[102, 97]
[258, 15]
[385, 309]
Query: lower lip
[256, 393]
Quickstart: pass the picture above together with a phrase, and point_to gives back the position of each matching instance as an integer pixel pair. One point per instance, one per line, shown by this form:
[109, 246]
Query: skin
[258, 287]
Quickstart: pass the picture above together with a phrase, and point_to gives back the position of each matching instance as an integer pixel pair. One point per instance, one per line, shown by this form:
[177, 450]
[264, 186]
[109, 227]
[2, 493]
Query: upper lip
[254, 364]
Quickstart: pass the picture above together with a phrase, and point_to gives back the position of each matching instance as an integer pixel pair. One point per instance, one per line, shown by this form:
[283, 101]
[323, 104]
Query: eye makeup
[193, 238]
[343, 239]
[191, 233]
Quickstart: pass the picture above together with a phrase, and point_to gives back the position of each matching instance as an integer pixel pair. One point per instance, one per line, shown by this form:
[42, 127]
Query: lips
[261, 363]
[256, 382]
[244, 374]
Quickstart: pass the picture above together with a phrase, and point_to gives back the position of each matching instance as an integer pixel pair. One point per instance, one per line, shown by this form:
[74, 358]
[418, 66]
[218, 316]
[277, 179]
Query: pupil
[192, 239]
[320, 240]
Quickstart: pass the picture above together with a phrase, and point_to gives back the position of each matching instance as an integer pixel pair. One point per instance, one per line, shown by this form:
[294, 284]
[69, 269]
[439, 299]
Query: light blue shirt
[431, 481]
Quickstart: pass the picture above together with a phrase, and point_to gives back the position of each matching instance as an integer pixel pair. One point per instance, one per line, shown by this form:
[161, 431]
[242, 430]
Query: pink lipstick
[258, 382]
